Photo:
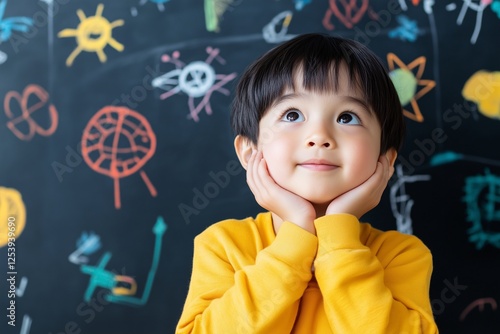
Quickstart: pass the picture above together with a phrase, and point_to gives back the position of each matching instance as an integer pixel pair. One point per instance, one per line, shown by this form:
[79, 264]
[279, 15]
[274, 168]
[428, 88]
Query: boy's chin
[319, 200]
[313, 196]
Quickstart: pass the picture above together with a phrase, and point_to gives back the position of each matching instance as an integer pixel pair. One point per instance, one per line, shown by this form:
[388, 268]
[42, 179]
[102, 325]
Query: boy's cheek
[276, 171]
[272, 168]
[359, 176]
[266, 135]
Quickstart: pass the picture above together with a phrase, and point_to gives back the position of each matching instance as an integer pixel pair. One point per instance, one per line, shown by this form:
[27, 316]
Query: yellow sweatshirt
[350, 278]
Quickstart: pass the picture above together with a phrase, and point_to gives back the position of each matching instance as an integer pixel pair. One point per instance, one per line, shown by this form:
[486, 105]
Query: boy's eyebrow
[285, 97]
[355, 100]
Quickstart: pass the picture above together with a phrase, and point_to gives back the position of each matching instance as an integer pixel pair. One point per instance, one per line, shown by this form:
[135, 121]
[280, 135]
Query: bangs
[322, 77]
[314, 64]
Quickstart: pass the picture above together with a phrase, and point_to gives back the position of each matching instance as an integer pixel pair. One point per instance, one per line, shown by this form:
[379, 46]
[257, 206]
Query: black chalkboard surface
[116, 151]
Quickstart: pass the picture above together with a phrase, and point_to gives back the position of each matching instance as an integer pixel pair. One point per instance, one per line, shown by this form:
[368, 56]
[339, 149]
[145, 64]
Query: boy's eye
[292, 116]
[348, 118]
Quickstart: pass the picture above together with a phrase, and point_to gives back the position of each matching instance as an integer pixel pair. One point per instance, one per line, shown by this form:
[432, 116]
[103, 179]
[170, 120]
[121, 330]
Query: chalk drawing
[123, 287]
[407, 30]
[483, 88]
[197, 79]
[401, 203]
[475, 6]
[34, 99]
[118, 142]
[480, 305]
[93, 34]
[347, 12]
[407, 83]
[87, 244]
[482, 196]
[11, 207]
[276, 30]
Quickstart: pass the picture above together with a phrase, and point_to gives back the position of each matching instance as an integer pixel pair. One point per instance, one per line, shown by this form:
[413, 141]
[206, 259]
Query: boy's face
[320, 145]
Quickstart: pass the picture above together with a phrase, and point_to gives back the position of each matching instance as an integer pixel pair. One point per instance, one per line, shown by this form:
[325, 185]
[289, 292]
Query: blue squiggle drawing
[300, 4]
[495, 7]
[407, 31]
[159, 3]
[87, 244]
[8, 25]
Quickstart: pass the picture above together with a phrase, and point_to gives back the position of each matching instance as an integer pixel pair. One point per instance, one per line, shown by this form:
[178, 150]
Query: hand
[367, 195]
[271, 196]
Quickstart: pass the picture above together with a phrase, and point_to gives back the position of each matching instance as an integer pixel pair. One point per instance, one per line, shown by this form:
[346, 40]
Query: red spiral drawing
[34, 99]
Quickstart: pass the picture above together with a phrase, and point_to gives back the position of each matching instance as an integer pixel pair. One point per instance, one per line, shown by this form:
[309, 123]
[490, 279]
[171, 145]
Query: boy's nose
[325, 144]
[319, 134]
[319, 140]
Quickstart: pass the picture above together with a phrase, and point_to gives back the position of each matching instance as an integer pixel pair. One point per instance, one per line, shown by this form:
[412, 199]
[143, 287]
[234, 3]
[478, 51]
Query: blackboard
[116, 150]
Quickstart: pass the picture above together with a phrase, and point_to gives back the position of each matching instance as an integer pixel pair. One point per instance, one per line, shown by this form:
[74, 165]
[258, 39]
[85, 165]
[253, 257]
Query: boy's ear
[391, 155]
[243, 147]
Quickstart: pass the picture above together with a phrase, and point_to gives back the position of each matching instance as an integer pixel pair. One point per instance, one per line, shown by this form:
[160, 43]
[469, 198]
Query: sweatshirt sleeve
[380, 290]
[262, 297]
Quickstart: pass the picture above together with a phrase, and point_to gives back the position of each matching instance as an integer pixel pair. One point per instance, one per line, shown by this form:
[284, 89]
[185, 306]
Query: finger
[263, 171]
[383, 169]
[259, 174]
[266, 182]
[251, 173]
[387, 168]
[250, 164]
[390, 167]
[378, 180]
[257, 167]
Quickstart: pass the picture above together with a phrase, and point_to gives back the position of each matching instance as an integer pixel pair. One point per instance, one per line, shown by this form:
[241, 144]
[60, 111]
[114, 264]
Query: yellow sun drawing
[406, 83]
[92, 35]
[12, 215]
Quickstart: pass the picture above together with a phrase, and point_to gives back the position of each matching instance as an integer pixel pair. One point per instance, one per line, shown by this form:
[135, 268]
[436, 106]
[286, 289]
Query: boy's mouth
[318, 165]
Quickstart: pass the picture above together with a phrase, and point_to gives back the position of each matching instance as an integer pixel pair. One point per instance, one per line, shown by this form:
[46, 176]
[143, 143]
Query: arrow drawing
[159, 229]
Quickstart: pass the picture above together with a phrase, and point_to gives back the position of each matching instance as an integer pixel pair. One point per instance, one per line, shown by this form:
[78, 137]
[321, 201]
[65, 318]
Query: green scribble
[495, 7]
[210, 16]
[405, 83]
[100, 277]
[445, 157]
[159, 229]
[482, 196]
[214, 9]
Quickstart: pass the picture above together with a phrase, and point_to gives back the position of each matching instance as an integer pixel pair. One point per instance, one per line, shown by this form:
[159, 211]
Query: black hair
[319, 57]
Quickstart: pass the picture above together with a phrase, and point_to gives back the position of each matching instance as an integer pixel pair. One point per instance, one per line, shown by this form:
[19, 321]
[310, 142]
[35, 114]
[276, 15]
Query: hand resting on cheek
[272, 197]
[367, 195]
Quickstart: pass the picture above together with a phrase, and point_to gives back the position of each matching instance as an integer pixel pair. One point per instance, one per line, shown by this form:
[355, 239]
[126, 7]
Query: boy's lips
[318, 165]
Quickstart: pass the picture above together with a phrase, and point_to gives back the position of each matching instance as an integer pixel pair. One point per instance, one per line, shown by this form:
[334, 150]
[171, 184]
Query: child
[318, 125]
